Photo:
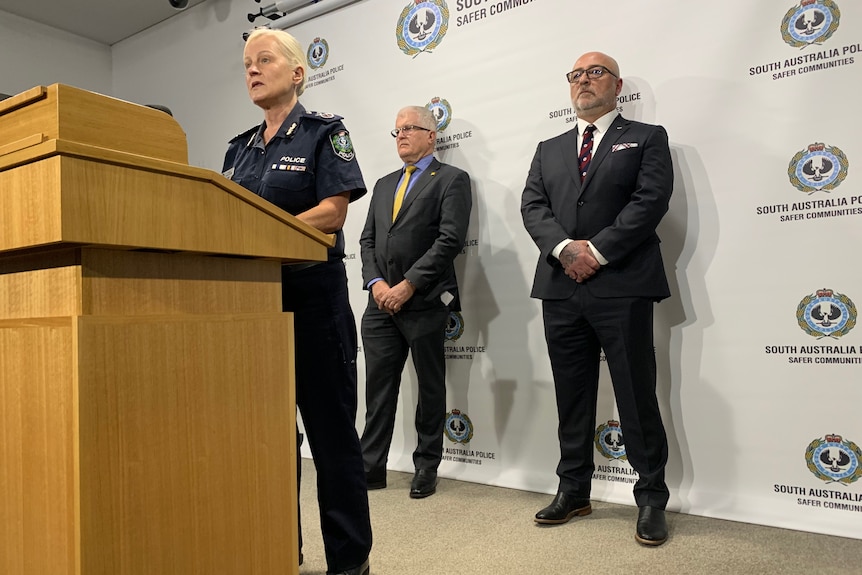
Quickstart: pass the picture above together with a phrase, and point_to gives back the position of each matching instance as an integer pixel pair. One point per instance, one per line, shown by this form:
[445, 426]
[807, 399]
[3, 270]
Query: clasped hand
[392, 299]
[578, 261]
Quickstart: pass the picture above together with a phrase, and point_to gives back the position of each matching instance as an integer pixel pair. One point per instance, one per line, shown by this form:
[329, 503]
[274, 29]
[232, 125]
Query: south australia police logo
[442, 112]
[459, 428]
[318, 53]
[810, 22]
[454, 326]
[826, 313]
[421, 26]
[342, 146]
[834, 459]
[818, 167]
[609, 440]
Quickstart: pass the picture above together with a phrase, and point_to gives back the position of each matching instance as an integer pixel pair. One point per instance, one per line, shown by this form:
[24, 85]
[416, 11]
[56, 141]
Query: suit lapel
[388, 187]
[570, 155]
[616, 130]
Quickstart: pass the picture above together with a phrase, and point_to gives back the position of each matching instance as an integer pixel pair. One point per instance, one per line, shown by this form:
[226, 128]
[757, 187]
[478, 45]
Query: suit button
[580, 204]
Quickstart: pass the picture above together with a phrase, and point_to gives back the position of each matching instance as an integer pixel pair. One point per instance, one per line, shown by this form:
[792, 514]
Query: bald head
[597, 58]
[593, 95]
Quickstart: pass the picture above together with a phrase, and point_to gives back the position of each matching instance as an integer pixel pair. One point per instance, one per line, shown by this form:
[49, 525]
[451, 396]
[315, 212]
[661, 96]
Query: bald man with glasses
[592, 201]
[416, 225]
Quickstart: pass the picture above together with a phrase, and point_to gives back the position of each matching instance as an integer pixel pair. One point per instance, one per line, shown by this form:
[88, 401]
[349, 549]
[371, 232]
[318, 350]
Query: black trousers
[326, 348]
[577, 330]
[386, 341]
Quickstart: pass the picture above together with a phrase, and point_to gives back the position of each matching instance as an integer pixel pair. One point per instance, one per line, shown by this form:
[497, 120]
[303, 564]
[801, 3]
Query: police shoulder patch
[342, 146]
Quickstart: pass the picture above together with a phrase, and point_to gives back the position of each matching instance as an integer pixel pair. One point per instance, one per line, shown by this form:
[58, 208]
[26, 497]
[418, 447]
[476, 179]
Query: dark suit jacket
[422, 243]
[621, 201]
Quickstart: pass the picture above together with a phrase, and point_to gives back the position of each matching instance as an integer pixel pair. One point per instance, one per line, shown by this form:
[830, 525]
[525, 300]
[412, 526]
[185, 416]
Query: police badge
[834, 459]
[811, 22]
[609, 441]
[820, 167]
[826, 314]
[442, 112]
[318, 53]
[454, 326]
[342, 146]
[459, 428]
[421, 26]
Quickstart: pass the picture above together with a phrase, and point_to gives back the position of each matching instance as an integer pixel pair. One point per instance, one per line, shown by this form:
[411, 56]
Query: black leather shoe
[375, 479]
[363, 569]
[424, 483]
[652, 526]
[563, 508]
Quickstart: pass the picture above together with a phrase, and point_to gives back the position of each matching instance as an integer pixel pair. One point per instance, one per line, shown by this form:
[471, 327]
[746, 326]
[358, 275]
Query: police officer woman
[304, 163]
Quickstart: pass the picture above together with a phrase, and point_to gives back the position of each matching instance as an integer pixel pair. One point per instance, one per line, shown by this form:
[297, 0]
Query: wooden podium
[147, 420]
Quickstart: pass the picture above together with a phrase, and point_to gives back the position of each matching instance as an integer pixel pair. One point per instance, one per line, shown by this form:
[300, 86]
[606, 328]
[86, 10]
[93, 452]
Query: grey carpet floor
[471, 529]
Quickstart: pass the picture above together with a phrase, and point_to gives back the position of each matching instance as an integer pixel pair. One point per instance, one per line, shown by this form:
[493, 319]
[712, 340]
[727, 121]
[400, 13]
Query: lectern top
[60, 112]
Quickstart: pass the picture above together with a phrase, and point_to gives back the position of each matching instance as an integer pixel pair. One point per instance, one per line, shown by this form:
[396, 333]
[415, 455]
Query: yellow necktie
[402, 189]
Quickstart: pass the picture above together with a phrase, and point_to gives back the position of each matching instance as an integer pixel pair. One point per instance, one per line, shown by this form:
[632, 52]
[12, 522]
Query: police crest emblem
[826, 314]
[609, 441]
[454, 326]
[421, 26]
[442, 112]
[819, 167]
[811, 22]
[342, 146]
[834, 458]
[459, 428]
[318, 53]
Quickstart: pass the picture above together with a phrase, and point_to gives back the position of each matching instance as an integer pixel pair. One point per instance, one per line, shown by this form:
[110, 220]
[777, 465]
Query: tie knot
[589, 129]
[410, 169]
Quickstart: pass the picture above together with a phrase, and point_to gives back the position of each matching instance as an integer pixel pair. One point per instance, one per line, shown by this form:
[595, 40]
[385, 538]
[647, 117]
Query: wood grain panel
[50, 292]
[32, 193]
[38, 477]
[187, 446]
[143, 283]
[116, 206]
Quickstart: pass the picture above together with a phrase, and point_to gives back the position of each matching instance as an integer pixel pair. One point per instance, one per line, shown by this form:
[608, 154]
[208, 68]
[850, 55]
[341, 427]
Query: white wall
[32, 54]
[192, 63]
[741, 419]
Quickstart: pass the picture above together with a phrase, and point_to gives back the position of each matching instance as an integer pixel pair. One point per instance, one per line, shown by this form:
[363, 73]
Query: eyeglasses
[593, 73]
[407, 129]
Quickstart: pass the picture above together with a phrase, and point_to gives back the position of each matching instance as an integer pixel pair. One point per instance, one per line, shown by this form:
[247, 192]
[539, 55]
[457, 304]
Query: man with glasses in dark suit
[416, 225]
[593, 199]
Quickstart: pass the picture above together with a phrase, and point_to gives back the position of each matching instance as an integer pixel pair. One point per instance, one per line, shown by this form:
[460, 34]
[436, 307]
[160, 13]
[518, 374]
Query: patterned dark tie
[586, 151]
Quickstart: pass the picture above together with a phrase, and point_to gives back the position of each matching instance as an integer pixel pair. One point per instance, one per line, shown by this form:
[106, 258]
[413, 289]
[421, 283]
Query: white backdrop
[761, 406]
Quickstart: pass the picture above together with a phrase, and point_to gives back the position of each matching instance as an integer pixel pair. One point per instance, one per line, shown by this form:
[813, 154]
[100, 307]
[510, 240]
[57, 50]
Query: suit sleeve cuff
[372, 282]
[559, 248]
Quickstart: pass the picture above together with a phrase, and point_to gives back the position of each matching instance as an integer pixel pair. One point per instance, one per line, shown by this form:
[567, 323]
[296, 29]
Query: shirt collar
[288, 127]
[602, 124]
[422, 164]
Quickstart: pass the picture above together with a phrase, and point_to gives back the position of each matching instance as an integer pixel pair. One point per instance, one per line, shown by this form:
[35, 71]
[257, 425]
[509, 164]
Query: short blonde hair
[289, 48]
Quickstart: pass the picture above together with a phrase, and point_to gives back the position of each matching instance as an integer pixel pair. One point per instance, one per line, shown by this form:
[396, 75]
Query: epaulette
[245, 135]
[322, 116]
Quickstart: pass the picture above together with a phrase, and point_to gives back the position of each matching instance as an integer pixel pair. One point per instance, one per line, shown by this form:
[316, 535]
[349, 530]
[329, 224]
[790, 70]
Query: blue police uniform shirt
[310, 158]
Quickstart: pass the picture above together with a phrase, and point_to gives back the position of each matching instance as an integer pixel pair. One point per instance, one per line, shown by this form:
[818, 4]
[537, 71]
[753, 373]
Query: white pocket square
[625, 146]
